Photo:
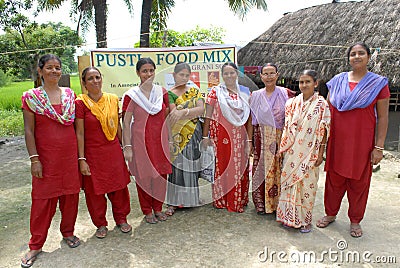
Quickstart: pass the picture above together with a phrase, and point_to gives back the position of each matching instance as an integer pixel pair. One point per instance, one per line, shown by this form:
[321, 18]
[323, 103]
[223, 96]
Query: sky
[123, 29]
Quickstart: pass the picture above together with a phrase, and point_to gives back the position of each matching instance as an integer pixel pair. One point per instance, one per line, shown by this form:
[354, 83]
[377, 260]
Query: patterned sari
[305, 126]
[268, 116]
[183, 187]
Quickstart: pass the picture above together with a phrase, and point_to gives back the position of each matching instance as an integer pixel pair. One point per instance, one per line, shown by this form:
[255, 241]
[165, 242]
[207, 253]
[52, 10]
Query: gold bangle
[379, 148]
[33, 162]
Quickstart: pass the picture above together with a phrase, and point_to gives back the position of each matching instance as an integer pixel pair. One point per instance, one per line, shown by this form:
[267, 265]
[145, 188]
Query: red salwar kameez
[109, 174]
[150, 164]
[348, 159]
[57, 148]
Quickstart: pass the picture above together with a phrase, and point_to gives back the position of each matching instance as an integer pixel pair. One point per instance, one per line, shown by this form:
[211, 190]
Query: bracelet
[81, 158]
[33, 162]
[125, 146]
[205, 137]
[187, 113]
[250, 140]
[379, 148]
[322, 144]
[32, 156]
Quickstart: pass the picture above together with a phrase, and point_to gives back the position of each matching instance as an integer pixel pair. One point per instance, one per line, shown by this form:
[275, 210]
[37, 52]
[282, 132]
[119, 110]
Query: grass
[11, 121]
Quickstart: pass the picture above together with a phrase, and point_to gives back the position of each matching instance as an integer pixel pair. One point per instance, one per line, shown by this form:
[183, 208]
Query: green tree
[87, 12]
[173, 38]
[19, 57]
[156, 18]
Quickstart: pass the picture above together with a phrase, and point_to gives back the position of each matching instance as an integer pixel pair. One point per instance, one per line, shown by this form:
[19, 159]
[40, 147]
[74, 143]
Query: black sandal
[31, 259]
[72, 241]
[150, 219]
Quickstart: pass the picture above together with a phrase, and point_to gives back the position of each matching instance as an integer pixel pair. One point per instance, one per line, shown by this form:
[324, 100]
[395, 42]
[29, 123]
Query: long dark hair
[358, 44]
[45, 58]
[270, 64]
[144, 61]
[229, 63]
[312, 73]
[181, 66]
[87, 69]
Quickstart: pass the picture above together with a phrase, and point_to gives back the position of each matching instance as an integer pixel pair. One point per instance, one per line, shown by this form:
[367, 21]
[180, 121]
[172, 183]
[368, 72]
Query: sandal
[161, 216]
[325, 221]
[125, 227]
[27, 261]
[101, 232]
[72, 241]
[355, 230]
[150, 219]
[305, 229]
[170, 211]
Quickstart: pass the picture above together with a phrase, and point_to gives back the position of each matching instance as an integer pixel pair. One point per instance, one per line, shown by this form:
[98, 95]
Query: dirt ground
[204, 236]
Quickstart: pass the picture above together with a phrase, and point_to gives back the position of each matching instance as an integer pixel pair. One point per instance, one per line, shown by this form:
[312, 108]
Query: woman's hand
[176, 115]
[376, 156]
[128, 154]
[84, 168]
[36, 169]
[319, 160]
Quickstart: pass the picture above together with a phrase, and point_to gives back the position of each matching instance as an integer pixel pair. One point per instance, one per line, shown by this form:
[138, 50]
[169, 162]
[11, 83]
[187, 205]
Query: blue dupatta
[363, 94]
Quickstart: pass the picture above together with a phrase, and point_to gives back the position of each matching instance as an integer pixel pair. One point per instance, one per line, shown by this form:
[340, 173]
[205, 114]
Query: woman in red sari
[226, 124]
[49, 113]
[98, 132]
[359, 103]
[145, 139]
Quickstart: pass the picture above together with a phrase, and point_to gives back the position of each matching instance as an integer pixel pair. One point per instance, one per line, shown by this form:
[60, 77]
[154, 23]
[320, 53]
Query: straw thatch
[317, 38]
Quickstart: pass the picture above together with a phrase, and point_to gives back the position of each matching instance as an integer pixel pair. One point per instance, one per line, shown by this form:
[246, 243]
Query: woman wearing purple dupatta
[268, 116]
[359, 103]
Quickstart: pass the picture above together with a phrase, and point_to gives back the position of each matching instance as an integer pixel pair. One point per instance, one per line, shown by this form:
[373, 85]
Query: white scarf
[235, 111]
[153, 104]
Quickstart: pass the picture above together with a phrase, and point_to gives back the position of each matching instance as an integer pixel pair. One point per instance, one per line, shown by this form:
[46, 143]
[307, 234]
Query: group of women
[163, 133]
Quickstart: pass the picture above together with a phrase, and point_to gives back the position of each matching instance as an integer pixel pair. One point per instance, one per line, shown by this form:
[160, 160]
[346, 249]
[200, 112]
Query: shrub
[4, 79]
[11, 123]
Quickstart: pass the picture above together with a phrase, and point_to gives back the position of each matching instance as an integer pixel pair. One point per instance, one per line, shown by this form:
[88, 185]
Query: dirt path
[200, 237]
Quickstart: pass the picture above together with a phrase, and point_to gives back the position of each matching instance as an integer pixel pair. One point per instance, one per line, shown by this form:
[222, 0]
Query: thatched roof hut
[317, 38]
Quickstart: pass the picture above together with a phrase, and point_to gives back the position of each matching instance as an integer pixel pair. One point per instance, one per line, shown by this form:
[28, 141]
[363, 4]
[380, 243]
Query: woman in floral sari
[307, 120]
[186, 105]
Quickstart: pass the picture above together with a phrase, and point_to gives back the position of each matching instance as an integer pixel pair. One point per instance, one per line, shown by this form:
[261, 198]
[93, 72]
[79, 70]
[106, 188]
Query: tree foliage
[19, 57]
[171, 38]
[87, 12]
[155, 14]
